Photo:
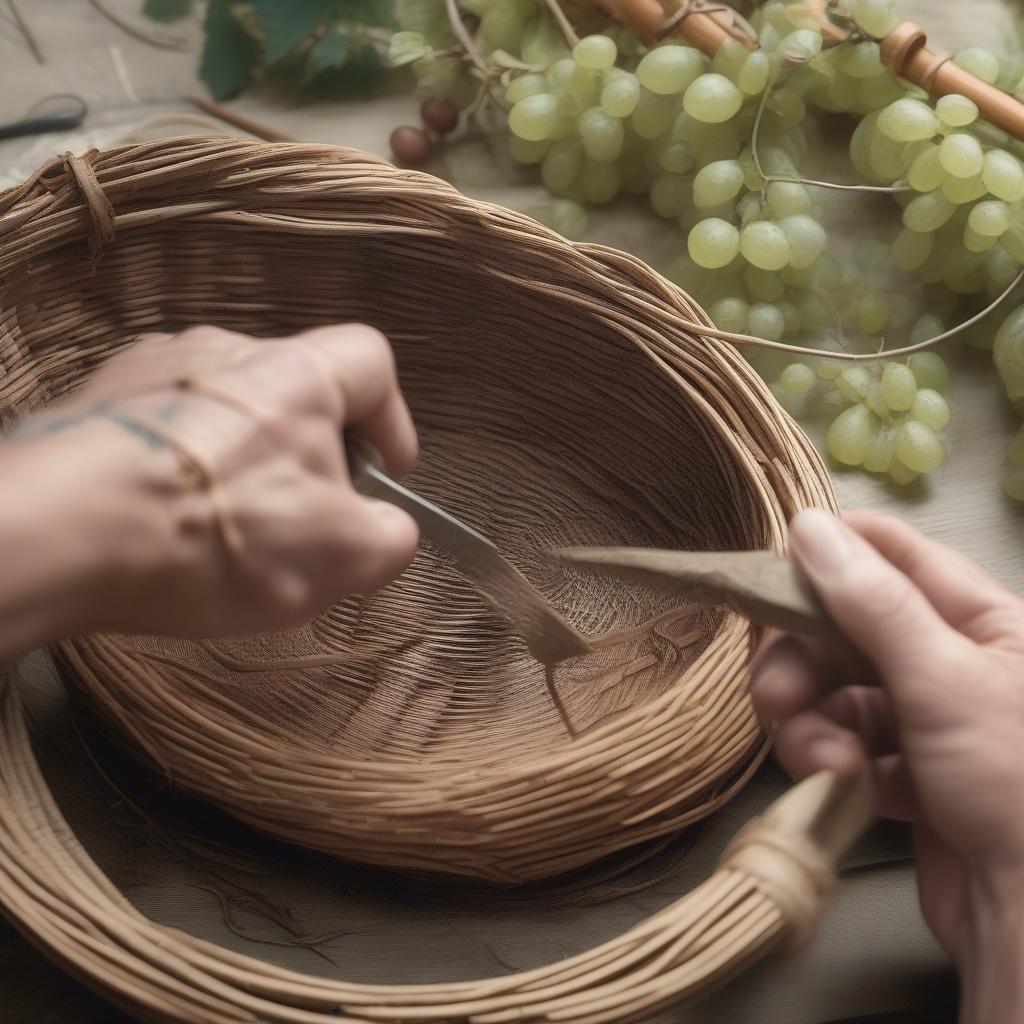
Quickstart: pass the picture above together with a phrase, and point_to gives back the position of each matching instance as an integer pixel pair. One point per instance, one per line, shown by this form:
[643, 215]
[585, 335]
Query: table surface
[874, 954]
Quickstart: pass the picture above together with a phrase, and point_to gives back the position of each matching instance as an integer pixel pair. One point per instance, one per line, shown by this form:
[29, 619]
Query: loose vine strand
[563, 23]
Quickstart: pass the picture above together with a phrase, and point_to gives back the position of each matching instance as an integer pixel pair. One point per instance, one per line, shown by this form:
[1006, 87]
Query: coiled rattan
[564, 396]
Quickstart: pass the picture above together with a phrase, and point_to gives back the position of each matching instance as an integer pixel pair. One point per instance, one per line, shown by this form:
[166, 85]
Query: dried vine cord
[563, 23]
[704, 7]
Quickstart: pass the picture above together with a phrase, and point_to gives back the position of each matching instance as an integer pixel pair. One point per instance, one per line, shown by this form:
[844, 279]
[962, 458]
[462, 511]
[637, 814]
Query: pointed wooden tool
[765, 587]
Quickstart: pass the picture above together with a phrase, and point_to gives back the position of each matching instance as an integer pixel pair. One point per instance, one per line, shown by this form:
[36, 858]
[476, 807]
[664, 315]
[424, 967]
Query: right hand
[935, 713]
[307, 537]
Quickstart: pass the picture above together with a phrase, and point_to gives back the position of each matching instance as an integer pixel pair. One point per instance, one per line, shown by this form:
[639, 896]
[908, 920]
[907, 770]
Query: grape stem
[855, 357]
[562, 22]
[701, 7]
[465, 39]
[769, 178]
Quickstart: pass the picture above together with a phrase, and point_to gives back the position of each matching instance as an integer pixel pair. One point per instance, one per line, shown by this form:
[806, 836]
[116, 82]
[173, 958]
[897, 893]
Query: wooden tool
[765, 587]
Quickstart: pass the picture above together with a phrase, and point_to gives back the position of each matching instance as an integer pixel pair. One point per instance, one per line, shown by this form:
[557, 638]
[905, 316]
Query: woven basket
[562, 398]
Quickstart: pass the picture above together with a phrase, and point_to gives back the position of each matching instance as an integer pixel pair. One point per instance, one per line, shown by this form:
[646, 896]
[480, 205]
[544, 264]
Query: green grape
[524, 152]
[854, 382]
[561, 73]
[875, 402]
[764, 245]
[1008, 354]
[602, 182]
[881, 449]
[1003, 176]
[860, 145]
[542, 43]
[502, 26]
[862, 60]
[766, 321]
[1013, 484]
[850, 435]
[886, 158]
[929, 368]
[963, 190]
[523, 86]
[763, 285]
[713, 243]
[729, 59]
[801, 46]
[797, 378]
[931, 409]
[712, 98]
[956, 111]
[602, 135]
[928, 212]
[790, 108]
[583, 88]
[676, 158]
[754, 74]
[926, 171]
[908, 120]
[730, 314]
[974, 242]
[911, 249]
[671, 194]
[620, 95]
[990, 218]
[717, 183]
[595, 53]
[899, 386]
[562, 166]
[653, 115]
[961, 155]
[874, 17]
[716, 142]
[979, 62]
[918, 448]
[535, 117]
[670, 69]
[829, 369]
[1000, 268]
[1013, 241]
[815, 314]
[566, 217]
[788, 198]
[806, 237]
[873, 312]
[900, 474]
[790, 314]
[1015, 453]
[777, 161]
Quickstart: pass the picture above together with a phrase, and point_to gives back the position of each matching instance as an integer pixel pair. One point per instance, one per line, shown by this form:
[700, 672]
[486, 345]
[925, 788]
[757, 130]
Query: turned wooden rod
[904, 50]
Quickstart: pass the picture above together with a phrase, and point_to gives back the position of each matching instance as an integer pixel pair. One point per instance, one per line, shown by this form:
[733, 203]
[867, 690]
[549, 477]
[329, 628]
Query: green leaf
[330, 54]
[406, 48]
[369, 12]
[167, 10]
[362, 71]
[288, 22]
[229, 54]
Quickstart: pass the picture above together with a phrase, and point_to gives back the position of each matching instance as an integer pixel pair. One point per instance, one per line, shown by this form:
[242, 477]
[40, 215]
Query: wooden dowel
[247, 124]
[906, 52]
[704, 30]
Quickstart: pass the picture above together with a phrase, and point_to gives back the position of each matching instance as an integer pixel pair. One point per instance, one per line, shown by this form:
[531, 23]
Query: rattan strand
[562, 399]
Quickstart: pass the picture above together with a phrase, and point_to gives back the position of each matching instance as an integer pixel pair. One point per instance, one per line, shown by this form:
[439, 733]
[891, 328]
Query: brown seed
[410, 145]
[440, 115]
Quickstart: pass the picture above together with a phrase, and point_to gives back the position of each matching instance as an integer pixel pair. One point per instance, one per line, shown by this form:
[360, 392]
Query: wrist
[991, 958]
[81, 526]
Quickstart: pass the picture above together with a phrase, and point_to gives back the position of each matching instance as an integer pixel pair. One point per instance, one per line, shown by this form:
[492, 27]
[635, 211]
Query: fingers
[362, 367]
[811, 742]
[876, 605]
[959, 589]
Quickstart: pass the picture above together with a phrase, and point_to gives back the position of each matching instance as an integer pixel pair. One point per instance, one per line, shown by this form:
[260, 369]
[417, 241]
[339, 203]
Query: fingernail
[822, 543]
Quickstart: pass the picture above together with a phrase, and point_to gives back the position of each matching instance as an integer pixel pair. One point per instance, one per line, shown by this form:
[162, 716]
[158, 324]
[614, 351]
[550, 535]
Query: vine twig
[26, 31]
[160, 42]
[563, 22]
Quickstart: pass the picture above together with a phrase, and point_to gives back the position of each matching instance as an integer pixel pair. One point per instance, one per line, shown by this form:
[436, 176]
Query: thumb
[871, 601]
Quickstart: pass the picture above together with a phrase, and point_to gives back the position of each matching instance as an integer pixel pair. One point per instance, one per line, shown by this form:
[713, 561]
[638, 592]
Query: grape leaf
[229, 54]
[167, 10]
[288, 22]
[329, 54]
[369, 12]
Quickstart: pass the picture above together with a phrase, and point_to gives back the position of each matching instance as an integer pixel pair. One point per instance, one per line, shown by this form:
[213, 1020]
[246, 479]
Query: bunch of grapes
[716, 144]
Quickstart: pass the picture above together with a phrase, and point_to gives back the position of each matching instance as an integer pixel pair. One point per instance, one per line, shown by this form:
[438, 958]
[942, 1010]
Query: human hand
[277, 532]
[935, 713]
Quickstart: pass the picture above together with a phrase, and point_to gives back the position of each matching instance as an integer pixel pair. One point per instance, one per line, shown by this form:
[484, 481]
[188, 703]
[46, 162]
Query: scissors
[764, 586]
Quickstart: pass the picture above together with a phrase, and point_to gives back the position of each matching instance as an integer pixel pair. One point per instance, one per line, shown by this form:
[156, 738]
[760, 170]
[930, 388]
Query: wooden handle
[705, 30]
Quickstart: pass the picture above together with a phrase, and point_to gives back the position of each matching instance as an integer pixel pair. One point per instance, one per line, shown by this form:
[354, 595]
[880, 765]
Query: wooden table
[874, 954]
